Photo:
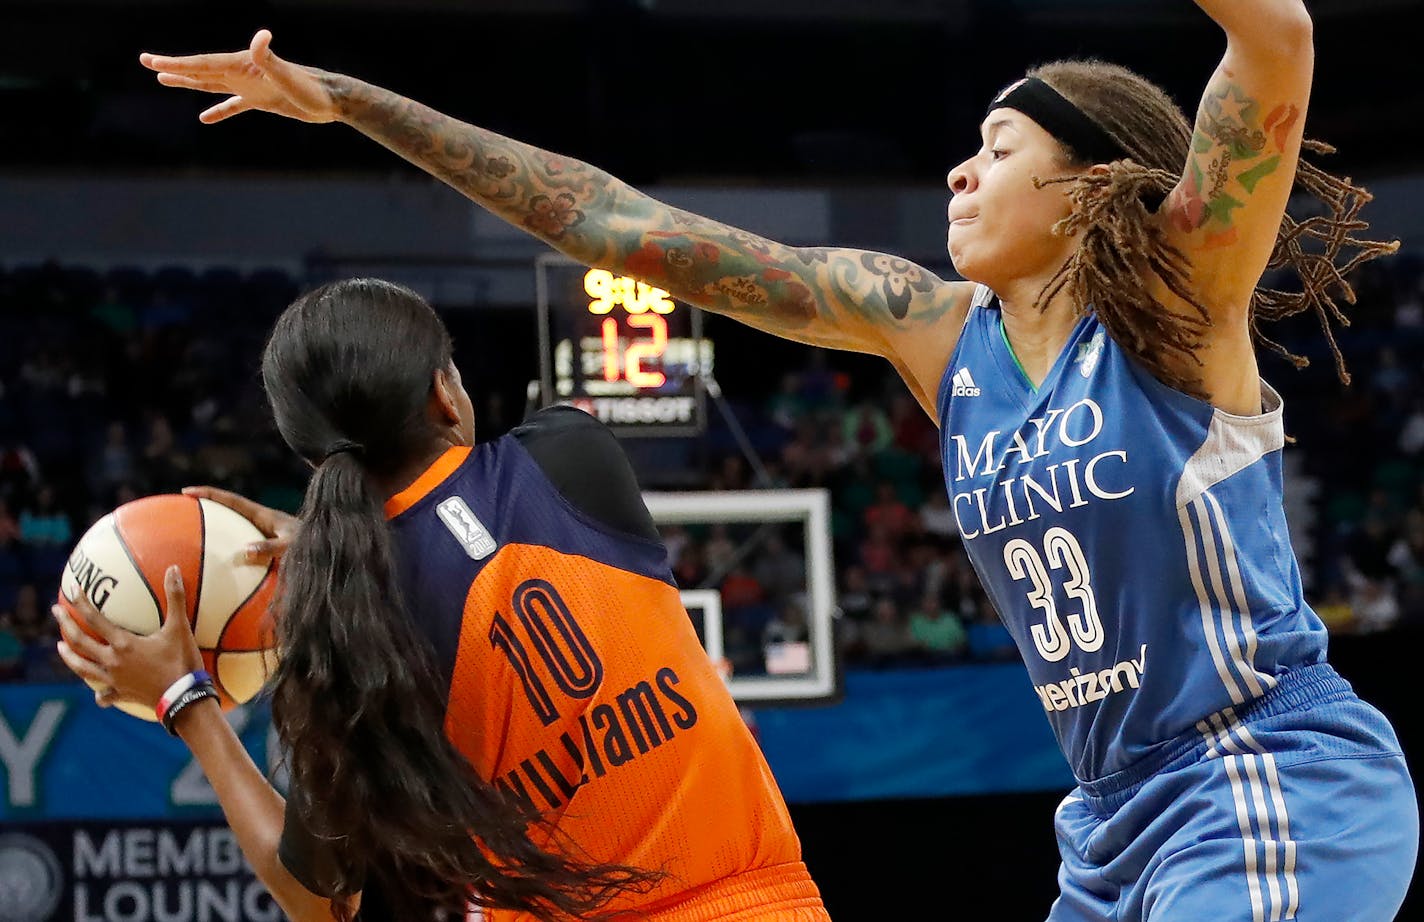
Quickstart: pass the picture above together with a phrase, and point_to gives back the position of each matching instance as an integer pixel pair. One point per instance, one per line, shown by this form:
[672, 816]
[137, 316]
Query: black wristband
[196, 693]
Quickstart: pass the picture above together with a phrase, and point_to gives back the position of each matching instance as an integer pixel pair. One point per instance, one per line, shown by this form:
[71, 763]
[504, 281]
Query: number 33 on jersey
[1132, 538]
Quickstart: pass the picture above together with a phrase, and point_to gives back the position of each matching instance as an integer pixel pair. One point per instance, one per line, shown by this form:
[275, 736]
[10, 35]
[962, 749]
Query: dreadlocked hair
[1120, 242]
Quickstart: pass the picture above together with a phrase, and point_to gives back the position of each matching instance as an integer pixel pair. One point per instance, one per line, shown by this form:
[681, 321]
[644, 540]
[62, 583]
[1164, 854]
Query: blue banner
[895, 734]
[916, 733]
[64, 757]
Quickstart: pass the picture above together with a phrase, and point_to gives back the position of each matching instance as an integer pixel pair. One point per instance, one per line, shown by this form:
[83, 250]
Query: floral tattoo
[805, 293]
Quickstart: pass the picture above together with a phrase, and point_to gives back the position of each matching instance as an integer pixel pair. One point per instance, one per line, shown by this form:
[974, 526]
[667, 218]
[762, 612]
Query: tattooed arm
[1226, 211]
[836, 298]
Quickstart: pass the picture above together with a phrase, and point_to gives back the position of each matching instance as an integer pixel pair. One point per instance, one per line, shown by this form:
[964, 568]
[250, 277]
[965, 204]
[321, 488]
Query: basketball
[119, 564]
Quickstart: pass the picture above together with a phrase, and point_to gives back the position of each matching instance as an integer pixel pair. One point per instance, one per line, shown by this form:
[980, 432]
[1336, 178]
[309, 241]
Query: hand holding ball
[119, 565]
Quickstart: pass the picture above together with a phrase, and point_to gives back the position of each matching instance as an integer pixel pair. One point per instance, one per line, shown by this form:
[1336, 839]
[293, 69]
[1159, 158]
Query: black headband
[1060, 118]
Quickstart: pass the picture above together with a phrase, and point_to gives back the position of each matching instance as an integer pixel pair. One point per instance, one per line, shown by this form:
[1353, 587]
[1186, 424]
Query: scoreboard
[621, 350]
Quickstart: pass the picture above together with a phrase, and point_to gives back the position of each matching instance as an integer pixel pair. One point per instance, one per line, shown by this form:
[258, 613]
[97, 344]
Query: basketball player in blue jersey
[1109, 448]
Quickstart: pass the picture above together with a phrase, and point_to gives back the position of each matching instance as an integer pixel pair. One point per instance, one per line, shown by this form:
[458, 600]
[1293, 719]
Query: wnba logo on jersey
[467, 529]
[1088, 355]
[963, 384]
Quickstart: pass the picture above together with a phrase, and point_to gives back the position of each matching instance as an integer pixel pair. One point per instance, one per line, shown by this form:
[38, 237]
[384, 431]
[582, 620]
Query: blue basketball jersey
[1132, 538]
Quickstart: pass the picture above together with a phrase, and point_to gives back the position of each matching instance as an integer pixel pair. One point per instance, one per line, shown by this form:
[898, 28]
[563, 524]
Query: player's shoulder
[920, 343]
[559, 422]
[956, 300]
[973, 303]
[557, 434]
[973, 295]
[585, 462]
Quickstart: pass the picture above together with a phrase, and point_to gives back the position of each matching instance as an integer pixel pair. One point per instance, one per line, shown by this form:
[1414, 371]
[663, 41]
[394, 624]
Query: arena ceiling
[659, 90]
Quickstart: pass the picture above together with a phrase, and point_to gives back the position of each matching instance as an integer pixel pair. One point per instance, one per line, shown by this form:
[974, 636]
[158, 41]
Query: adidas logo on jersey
[963, 384]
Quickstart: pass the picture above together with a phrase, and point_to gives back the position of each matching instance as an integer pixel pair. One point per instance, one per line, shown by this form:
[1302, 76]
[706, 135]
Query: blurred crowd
[122, 383]
[905, 591]
[116, 385]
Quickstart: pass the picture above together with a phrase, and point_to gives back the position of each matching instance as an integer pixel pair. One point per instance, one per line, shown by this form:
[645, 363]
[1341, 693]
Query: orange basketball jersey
[576, 679]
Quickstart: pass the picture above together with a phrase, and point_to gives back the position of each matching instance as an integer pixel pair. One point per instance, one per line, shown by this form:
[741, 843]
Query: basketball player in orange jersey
[488, 685]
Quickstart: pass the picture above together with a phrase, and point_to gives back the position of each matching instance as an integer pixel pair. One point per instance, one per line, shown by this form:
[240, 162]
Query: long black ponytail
[348, 370]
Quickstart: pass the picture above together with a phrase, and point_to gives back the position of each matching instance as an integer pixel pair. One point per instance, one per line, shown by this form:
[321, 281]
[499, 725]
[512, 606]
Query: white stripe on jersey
[1208, 627]
[1218, 608]
[1253, 814]
[1246, 664]
[1248, 841]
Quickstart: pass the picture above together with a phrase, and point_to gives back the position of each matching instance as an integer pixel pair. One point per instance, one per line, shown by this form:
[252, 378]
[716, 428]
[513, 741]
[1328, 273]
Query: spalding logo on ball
[119, 564]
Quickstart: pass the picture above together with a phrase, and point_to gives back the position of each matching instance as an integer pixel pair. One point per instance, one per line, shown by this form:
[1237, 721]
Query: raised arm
[1226, 211]
[836, 298]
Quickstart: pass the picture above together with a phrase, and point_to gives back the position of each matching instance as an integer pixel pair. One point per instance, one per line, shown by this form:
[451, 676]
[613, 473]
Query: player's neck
[404, 477]
[1036, 336]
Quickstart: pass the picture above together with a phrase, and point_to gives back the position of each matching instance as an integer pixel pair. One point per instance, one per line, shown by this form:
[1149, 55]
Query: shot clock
[620, 349]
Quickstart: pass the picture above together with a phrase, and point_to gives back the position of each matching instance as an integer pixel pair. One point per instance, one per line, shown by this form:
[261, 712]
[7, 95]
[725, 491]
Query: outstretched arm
[837, 298]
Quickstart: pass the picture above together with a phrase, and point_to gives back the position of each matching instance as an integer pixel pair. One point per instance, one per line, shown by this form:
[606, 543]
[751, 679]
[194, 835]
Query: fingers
[268, 521]
[226, 109]
[195, 64]
[239, 504]
[260, 552]
[177, 627]
[82, 608]
[259, 52]
[177, 607]
[261, 48]
[77, 640]
[85, 669]
[192, 83]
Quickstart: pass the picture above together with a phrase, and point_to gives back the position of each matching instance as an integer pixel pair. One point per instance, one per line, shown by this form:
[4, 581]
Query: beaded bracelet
[197, 693]
[182, 684]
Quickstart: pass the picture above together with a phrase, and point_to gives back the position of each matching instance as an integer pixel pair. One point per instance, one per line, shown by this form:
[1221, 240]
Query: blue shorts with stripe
[1298, 805]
